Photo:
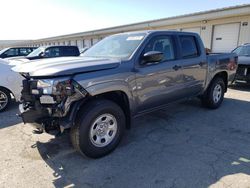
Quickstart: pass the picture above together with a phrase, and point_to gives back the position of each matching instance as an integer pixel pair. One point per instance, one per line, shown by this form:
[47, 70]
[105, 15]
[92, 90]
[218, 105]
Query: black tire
[80, 132]
[208, 99]
[5, 93]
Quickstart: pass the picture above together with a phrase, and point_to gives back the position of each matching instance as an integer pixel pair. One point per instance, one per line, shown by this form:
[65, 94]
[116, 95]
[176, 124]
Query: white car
[10, 85]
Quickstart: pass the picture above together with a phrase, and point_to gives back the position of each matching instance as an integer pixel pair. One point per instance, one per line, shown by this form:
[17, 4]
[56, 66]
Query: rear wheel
[214, 94]
[4, 99]
[98, 129]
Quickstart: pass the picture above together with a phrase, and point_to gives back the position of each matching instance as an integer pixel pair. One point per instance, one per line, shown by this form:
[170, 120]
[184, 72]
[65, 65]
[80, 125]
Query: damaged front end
[45, 103]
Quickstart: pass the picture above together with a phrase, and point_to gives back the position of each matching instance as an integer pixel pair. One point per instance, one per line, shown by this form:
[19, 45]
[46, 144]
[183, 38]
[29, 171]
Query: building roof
[6, 43]
[198, 16]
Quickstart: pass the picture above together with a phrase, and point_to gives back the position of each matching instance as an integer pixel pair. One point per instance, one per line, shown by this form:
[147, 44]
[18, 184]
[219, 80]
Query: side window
[162, 44]
[71, 51]
[188, 47]
[25, 51]
[52, 52]
[11, 52]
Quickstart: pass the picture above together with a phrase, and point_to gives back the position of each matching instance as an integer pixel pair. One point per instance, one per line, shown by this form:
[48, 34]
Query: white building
[8, 43]
[221, 30]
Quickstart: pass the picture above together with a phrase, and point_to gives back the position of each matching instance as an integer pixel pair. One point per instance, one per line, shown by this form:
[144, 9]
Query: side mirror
[152, 57]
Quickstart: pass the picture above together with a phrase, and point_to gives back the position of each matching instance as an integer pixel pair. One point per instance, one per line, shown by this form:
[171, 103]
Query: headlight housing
[58, 86]
[45, 86]
[55, 86]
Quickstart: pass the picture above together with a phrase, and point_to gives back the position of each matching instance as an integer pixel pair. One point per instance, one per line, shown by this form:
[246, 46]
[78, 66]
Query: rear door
[193, 63]
[159, 83]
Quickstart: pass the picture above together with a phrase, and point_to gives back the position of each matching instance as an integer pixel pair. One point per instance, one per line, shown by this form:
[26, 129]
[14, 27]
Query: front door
[159, 83]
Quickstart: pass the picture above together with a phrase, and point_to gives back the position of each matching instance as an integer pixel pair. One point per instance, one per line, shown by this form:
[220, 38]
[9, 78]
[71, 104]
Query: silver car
[10, 85]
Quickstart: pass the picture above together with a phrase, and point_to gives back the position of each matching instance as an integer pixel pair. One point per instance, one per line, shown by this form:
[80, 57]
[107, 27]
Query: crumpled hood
[64, 66]
[243, 60]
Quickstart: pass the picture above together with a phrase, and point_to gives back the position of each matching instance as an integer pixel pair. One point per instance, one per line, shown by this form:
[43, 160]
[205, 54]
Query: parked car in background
[243, 70]
[54, 51]
[16, 51]
[119, 78]
[46, 52]
[10, 85]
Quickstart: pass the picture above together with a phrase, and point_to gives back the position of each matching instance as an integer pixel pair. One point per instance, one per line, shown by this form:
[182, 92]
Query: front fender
[114, 86]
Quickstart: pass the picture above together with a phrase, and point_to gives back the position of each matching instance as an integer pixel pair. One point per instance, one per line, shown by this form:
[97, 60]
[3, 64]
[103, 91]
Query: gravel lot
[182, 146]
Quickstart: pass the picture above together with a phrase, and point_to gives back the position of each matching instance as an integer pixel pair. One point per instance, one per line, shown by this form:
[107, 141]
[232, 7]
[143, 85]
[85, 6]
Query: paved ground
[182, 146]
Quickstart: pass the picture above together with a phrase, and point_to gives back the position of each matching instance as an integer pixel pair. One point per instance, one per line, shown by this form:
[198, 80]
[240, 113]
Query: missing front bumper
[31, 115]
[42, 121]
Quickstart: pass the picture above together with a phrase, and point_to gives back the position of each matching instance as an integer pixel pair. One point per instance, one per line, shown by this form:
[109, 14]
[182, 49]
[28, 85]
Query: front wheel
[98, 129]
[214, 95]
[5, 99]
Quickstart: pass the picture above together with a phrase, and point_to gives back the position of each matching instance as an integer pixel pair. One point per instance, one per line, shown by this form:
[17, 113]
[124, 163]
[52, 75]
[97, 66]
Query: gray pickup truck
[123, 76]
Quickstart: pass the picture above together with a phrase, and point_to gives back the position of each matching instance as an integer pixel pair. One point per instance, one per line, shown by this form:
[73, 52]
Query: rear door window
[70, 51]
[189, 47]
[25, 51]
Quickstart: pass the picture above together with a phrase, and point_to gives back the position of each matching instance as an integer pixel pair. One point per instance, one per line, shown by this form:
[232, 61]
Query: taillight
[232, 65]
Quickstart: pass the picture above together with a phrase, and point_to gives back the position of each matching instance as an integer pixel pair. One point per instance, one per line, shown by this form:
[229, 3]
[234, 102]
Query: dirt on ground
[184, 145]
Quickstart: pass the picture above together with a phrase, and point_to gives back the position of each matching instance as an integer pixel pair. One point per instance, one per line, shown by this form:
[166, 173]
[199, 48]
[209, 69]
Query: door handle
[176, 67]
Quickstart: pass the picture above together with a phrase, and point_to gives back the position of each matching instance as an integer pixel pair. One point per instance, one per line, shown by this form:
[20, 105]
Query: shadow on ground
[181, 146]
[9, 118]
[240, 87]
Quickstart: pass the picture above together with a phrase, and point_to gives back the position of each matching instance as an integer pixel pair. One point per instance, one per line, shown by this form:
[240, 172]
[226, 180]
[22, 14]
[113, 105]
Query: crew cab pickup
[123, 76]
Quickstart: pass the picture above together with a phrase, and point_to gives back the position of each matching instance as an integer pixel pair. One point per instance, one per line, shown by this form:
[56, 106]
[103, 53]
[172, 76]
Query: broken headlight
[58, 86]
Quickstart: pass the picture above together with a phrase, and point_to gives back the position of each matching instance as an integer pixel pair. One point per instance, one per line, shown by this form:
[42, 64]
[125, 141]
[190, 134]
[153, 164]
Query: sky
[36, 19]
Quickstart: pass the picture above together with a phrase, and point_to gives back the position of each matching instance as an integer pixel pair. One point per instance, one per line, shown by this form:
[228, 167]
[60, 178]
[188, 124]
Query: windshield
[116, 46]
[3, 50]
[242, 51]
[36, 52]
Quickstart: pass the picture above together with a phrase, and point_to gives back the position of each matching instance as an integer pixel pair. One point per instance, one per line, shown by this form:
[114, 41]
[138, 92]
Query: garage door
[88, 43]
[95, 41]
[225, 37]
[79, 43]
[193, 30]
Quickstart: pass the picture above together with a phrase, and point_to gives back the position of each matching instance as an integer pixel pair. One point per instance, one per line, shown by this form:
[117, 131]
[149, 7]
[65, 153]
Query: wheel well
[1, 87]
[120, 98]
[224, 76]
